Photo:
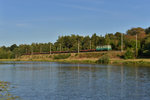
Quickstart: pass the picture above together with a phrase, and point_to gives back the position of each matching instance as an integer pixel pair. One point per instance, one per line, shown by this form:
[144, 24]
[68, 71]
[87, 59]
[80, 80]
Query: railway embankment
[115, 58]
[88, 57]
[70, 56]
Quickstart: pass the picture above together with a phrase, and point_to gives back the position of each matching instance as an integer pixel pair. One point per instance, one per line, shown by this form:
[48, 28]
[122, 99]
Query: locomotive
[104, 48]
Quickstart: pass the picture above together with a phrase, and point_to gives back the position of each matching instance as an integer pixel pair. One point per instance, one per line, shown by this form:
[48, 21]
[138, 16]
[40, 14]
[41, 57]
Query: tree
[101, 40]
[5, 54]
[146, 47]
[118, 40]
[112, 40]
[86, 43]
[107, 39]
[94, 40]
[130, 42]
[12, 47]
[129, 54]
[147, 30]
[67, 42]
[118, 35]
[139, 31]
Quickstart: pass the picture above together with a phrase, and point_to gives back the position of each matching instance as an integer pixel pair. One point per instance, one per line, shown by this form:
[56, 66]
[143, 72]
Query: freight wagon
[98, 48]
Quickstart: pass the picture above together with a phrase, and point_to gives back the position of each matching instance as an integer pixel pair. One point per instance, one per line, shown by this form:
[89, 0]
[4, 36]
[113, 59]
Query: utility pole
[122, 42]
[136, 45]
[90, 43]
[60, 47]
[31, 50]
[40, 49]
[78, 47]
[50, 49]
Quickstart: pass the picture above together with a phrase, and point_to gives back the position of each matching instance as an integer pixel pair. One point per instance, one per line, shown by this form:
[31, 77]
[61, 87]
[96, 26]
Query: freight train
[98, 48]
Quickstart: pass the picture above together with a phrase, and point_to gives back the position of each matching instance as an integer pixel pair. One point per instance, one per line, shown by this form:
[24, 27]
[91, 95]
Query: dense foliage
[70, 43]
[103, 60]
[129, 54]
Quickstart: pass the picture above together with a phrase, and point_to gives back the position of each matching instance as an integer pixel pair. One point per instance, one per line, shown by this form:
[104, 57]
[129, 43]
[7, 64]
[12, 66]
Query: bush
[103, 60]
[129, 54]
[76, 54]
[62, 56]
[5, 54]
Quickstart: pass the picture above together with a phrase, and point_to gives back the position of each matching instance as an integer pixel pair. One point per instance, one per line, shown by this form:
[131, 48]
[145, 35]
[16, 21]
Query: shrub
[62, 56]
[104, 60]
[129, 54]
[5, 54]
[76, 54]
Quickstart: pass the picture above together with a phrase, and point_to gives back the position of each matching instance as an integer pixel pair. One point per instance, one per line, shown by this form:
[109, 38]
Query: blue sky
[27, 21]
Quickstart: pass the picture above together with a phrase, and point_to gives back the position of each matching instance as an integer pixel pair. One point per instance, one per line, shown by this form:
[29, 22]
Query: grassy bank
[90, 57]
[87, 58]
[143, 62]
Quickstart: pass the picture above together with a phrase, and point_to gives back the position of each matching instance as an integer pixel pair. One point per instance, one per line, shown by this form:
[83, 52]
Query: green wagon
[104, 48]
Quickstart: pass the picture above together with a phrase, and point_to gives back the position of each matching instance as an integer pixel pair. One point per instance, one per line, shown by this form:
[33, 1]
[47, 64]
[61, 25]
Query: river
[62, 81]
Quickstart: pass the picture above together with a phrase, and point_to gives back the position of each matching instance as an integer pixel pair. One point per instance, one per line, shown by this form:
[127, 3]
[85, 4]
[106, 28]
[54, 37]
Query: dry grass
[91, 57]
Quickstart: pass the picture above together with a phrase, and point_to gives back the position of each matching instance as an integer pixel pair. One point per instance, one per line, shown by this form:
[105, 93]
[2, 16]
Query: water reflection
[122, 78]
[58, 81]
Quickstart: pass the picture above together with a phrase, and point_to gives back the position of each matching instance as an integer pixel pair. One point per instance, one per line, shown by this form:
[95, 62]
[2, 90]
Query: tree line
[71, 42]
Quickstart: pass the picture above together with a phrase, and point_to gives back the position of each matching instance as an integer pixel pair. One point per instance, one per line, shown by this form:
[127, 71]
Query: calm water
[58, 81]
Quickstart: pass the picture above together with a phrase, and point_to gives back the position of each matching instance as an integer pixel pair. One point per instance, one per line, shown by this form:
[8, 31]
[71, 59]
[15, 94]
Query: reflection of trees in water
[4, 92]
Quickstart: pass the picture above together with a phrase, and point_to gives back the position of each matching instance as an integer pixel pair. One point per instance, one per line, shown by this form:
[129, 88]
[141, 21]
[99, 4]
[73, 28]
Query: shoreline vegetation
[134, 44]
[104, 57]
[142, 62]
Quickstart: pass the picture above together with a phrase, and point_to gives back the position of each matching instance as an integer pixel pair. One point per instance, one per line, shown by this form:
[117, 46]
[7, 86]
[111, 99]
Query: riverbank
[86, 58]
[90, 57]
[130, 62]
[145, 62]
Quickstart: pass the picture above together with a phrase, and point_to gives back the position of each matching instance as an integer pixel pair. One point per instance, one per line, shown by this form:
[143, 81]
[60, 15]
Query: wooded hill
[70, 43]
